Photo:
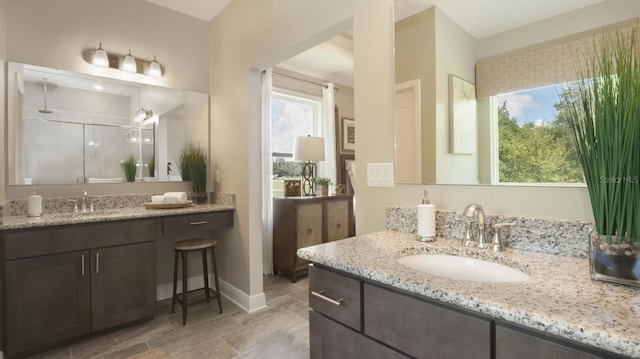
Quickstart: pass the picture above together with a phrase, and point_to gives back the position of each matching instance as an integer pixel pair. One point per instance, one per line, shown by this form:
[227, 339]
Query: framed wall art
[462, 116]
[347, 135]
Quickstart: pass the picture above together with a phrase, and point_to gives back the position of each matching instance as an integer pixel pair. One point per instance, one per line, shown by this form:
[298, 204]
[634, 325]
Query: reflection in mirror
[66, 127]
[408, 132]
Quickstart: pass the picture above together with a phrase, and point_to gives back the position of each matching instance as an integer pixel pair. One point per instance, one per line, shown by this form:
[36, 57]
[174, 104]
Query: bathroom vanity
[363, 303]
[70, 275]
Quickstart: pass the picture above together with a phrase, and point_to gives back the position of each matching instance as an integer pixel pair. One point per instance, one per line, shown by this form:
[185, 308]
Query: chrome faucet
[83, 203]
[499, 242]
[480, 240]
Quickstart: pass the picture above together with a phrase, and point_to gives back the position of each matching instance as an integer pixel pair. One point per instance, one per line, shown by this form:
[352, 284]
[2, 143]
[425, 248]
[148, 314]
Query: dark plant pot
[200, 198]
[614, 261]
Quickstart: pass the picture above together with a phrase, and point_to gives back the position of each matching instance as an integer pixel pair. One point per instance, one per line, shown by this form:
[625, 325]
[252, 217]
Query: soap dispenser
[426, 220]
[34, 204]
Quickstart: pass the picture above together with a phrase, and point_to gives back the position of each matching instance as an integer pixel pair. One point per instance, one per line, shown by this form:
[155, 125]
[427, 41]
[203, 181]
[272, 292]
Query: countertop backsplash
[566, 238]
[18, 207]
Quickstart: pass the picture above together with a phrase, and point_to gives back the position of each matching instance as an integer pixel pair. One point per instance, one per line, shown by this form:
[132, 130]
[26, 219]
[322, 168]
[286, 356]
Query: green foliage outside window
[530, 153]
[282, 168]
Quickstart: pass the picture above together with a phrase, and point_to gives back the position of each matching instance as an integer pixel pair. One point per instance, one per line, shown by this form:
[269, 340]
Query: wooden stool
[183, 248]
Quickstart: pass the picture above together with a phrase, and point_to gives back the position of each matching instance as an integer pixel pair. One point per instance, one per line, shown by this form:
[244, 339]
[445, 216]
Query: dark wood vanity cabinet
[305, 221]
[351, 317]
[63, 282]
[384, 318]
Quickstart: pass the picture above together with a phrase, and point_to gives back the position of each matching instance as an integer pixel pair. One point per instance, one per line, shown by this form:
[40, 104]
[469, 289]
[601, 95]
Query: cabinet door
[123, 284]
[309, 224]
[329, 339]
[338, 221]
[423, 329]
[48, 300]
[512, 343]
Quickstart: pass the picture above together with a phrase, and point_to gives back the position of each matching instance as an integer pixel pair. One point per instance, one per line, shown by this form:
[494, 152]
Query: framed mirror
[68, 128]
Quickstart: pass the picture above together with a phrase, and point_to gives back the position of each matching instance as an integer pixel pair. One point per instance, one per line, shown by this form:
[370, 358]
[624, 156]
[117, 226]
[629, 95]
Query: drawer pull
[197, 223]
[320, 295]
[98, 263]
[83, 265]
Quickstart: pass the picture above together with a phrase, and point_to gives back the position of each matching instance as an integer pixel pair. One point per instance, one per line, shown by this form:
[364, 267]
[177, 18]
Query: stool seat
[181, 250]
[194, 244]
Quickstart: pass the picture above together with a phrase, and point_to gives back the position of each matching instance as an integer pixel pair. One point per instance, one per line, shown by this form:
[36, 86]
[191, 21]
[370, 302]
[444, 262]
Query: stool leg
[205, 273]
[175, 281]
[215, 277]
[185, 256]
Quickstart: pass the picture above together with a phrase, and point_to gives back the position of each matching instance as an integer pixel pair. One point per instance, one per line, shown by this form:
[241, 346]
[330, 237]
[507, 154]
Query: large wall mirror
[68, 128]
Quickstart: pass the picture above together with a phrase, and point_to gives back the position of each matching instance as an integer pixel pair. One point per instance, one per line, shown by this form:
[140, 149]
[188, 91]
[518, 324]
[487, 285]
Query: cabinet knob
[309, 231]
[338, 226]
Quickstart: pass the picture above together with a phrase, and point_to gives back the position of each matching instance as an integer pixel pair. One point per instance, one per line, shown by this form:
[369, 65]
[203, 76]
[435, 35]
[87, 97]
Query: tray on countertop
[150, 205]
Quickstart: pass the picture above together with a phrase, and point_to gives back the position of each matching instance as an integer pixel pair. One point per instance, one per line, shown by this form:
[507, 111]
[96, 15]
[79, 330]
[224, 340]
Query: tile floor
[279, 331]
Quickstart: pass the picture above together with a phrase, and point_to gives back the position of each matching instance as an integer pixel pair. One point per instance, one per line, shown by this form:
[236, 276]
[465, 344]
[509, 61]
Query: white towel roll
[179, 196]
[158, 199]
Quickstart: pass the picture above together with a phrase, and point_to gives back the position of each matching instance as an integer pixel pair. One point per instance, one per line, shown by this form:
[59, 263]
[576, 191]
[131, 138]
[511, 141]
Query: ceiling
[333, 60]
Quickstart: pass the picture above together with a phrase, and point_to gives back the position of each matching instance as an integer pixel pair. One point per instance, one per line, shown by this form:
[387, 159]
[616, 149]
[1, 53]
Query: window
[291, 116]
[534, 144]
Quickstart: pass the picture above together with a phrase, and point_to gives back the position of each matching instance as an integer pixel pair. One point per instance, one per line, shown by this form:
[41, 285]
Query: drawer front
[309, 224]
[336, 295]
[196, 224]
[36, 242]
[329, 339]
[422, 329]
[337, 219]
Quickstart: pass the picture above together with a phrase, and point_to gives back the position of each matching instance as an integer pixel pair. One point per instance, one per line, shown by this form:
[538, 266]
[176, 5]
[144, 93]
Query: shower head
[44, 89]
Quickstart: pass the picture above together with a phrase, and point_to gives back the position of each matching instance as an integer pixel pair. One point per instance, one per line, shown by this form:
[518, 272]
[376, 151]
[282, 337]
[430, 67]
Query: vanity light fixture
[100, 57]
[143, 114]
[154, 68]
[129, 63]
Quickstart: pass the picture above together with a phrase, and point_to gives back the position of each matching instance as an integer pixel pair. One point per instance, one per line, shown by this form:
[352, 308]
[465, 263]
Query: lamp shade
[308, 148]
[100, 57]
[129, 63]
[154, 68]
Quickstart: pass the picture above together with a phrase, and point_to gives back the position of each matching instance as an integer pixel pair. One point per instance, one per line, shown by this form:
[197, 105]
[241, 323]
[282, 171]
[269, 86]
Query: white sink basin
[463, 268]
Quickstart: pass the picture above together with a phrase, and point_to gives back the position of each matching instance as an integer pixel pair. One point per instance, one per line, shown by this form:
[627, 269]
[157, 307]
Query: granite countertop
[112, 214]
[559, 298]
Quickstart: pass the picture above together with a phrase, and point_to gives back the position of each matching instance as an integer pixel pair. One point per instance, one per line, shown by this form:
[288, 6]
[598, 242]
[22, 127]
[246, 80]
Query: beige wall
[415, 44]
[455, 54]
[3, 57]
[247, 37]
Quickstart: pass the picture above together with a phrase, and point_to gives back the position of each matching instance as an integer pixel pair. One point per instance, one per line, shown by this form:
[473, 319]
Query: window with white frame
[291, 115]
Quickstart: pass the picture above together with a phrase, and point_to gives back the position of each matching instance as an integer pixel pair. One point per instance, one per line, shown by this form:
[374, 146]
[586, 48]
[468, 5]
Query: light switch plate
[380, 174]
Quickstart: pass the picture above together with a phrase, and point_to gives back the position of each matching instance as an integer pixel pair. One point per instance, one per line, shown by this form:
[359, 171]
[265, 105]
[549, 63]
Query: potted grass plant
[605, 125]
[129, 168]
[192, 163]
[322, 185]
[152, 166]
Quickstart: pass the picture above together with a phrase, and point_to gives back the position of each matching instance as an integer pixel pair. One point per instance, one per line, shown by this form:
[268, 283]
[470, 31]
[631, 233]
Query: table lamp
[308, 149]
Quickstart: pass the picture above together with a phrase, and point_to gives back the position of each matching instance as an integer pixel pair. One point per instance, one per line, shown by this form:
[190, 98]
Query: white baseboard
[246, 302]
